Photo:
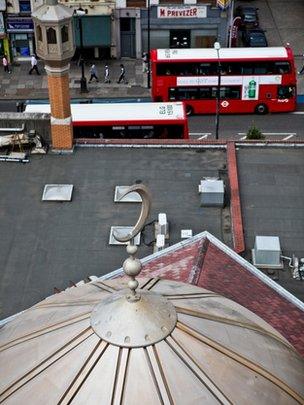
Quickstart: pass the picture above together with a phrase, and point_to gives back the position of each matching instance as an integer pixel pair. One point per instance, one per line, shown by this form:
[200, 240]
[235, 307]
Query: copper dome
[216, 352]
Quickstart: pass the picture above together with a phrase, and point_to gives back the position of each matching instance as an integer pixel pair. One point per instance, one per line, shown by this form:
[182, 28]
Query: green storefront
[96, 36]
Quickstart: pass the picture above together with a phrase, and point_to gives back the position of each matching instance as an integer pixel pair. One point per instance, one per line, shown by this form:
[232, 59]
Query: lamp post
[83, 81]
[217, 47]
[230, 23]
[149, 46]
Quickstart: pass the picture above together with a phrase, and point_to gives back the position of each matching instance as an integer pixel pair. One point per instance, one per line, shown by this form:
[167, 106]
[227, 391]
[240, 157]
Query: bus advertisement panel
[252, 80]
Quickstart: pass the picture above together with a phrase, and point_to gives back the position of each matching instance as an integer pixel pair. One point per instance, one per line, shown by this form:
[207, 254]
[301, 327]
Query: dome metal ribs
[241, 360]
[232, 322]
[153, 358]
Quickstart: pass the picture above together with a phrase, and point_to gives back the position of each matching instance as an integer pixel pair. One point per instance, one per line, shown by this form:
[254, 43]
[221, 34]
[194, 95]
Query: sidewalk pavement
[20, 85]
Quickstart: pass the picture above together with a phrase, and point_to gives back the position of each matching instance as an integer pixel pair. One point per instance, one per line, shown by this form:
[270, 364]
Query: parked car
[249, 16]
[255, 38]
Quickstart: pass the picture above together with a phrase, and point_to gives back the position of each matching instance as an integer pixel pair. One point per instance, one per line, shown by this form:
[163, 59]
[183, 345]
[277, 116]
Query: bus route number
[166, 110]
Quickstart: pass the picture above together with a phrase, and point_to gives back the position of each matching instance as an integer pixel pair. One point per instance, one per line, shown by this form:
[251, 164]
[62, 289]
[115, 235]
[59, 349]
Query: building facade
[170, 24]
[122, 28]
[94, 29]
[19, 29]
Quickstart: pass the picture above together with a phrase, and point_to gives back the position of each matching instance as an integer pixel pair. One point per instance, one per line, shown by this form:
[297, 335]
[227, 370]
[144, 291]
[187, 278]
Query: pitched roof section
[205, 261]
[221, 274]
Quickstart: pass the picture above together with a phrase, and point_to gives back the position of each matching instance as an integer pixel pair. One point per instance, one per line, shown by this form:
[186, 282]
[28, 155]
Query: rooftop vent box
[267, 252]
[163, 224]
[122, 231]
[131, 197]
[57, 192]
[212, 193]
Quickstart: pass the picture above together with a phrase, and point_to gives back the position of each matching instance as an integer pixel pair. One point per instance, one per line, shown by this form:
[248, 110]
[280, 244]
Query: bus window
[226, 68]
[172, 94]
[169, 131]
[163, 69]
[282, 67]
[247, 69]
[190, 93]
[235, 68]
[205, 92]
[285, 91]
[261, 68]
[229, 92]
[232, 92]
[183, 93]
[207, 69]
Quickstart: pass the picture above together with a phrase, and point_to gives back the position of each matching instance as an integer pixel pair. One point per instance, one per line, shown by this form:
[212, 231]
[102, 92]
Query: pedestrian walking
[301, 71]
[107, 74]
[145, 66]
[5, 64]
[93, 72]
[34, 65]
[122, 76]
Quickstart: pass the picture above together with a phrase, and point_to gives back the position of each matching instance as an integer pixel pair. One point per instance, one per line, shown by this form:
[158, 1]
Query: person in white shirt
[93, 73]
[34, 65]
[107, 74]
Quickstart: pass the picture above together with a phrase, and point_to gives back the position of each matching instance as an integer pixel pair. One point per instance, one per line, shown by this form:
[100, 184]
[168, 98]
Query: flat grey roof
[45, 245]
[272, 198]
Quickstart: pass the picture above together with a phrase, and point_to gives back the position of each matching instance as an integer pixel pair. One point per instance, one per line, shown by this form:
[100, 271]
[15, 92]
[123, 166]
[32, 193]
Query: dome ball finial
[132, 266]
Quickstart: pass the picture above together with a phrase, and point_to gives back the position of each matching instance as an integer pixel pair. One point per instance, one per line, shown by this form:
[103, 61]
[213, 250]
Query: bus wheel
[261, 109]
[189, 110]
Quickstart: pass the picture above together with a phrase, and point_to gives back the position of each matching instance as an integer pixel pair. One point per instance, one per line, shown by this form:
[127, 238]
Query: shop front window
[20, 43]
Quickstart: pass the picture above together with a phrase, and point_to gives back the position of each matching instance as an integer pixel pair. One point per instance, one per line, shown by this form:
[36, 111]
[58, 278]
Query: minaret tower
[55, 45]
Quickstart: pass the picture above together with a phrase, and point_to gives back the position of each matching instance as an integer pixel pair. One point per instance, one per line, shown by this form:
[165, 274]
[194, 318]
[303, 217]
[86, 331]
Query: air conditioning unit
[160, 242]
[212, 193]
[267, 252]
[163, 224]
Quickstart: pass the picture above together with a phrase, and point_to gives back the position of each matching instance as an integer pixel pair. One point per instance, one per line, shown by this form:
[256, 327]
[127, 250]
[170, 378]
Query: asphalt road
[287, 126]
[284, 126]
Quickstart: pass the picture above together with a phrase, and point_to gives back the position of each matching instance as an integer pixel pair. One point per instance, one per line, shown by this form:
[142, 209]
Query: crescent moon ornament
[132, 266]
[143, 191]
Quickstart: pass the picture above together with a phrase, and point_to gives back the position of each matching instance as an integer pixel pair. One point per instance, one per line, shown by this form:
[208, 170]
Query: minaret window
[51, 36]
[64, 34]
[39, 33]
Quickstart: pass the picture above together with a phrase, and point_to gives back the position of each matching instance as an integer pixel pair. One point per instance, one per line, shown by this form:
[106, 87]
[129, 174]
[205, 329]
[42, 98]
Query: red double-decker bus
[125, 120]
[252, 80]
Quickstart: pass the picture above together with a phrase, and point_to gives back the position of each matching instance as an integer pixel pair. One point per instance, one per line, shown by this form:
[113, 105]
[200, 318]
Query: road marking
[298, 112]
[200, 133]
[273, 133]
[203, 137]
[287, 137]
[243, 137]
